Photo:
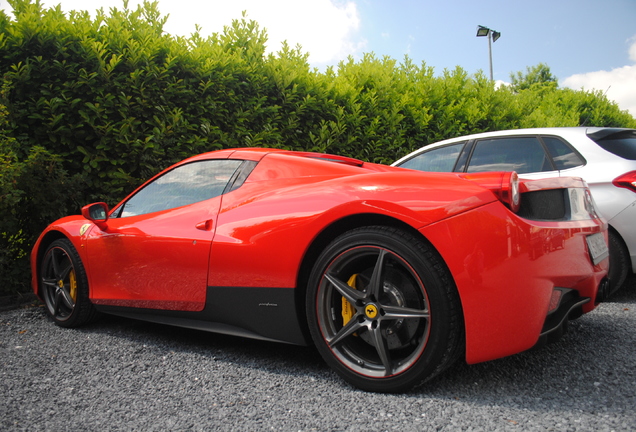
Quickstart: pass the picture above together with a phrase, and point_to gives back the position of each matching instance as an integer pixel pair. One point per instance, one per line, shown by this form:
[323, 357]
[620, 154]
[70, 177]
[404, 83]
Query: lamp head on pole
[492, 36]
[485, 31]
[482, 31]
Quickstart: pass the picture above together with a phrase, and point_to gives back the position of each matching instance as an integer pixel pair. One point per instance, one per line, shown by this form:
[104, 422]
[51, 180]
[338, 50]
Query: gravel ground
[121, 374]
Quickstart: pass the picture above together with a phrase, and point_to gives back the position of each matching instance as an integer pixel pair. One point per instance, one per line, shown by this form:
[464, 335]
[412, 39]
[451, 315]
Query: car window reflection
[438, 160]
[184, 185]
[520, 154]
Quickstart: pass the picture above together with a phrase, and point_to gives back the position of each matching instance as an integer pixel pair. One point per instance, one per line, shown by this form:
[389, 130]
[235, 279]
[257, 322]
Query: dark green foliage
[33, 192]
[94, 106]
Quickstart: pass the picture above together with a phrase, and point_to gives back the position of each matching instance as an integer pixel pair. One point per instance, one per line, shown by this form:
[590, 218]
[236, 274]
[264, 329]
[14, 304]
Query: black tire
[398, 324]
[619, 262]
[64, 286]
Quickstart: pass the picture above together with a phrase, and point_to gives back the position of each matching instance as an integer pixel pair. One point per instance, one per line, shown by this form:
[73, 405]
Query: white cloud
[326, 29]
[619, 84]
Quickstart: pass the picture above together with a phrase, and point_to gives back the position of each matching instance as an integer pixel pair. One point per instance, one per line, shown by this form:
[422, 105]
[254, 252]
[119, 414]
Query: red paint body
[505, 267]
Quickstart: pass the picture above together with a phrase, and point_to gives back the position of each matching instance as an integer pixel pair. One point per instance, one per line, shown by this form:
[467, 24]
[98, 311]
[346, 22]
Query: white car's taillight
[627, 180]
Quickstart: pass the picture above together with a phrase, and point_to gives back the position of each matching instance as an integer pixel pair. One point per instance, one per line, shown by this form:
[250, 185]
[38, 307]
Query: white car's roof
[564, 132]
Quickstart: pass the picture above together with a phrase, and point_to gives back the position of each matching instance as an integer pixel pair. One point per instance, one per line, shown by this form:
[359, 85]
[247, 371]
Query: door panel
[158, 260]
[155, 249]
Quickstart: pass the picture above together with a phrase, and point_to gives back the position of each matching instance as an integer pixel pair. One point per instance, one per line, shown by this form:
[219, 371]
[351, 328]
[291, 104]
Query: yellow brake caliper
[348, 310]
[73, 285]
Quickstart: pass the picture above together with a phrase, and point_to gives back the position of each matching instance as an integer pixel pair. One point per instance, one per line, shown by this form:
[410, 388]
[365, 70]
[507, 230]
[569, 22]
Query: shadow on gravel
[254, 354]
[627, 294]
[575, 373]
[594, 361]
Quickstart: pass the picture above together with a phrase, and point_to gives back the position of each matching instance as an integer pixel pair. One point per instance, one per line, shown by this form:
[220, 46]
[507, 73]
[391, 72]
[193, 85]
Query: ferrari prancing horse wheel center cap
[371, 311]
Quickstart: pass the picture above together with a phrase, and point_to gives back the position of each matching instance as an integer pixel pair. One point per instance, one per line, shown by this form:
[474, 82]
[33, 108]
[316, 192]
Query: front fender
[71, 227]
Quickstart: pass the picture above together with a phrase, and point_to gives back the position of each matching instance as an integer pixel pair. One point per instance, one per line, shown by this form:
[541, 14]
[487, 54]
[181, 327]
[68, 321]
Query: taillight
[627, 181]
[505, 185]
[510, 191]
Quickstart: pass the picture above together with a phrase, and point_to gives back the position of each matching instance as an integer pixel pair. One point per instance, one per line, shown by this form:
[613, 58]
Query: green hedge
[96, 105]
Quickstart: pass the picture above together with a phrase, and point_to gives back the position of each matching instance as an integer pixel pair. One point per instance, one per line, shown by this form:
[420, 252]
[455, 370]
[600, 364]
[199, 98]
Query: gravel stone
[126, 375]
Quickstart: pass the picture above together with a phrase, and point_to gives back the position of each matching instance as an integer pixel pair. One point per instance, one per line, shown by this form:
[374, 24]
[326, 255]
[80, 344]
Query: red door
[157, 260]
[155, 251]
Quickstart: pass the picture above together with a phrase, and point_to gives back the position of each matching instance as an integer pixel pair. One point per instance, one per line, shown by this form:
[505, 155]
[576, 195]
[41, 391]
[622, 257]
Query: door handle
[205, 225]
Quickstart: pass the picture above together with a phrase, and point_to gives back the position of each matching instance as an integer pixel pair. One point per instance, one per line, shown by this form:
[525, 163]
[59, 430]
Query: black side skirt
[257, 313]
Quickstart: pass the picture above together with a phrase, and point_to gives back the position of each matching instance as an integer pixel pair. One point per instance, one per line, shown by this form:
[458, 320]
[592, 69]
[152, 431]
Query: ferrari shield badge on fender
[84, 228]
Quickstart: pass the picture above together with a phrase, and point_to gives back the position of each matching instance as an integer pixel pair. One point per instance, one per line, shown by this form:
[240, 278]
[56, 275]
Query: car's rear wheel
[64, 285]
[619, 261]
[383, 311]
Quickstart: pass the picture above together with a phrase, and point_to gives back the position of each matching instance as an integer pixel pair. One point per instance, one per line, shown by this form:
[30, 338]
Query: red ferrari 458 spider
[392, 273]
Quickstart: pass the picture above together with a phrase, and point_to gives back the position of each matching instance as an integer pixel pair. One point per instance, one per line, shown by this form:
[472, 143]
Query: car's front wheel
[64, 285]
[383, 311]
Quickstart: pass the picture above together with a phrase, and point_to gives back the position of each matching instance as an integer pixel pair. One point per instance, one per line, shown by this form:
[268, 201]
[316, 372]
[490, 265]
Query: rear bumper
[506, 269]
[569, 307]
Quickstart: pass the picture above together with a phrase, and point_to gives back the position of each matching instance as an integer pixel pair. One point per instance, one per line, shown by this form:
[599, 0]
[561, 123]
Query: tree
[539, 75]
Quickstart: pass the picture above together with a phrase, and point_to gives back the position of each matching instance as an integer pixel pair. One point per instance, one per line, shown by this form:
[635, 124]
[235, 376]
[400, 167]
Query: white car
[604, 157]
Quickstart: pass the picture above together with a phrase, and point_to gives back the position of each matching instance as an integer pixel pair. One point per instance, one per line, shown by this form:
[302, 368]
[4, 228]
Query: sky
[587, 44]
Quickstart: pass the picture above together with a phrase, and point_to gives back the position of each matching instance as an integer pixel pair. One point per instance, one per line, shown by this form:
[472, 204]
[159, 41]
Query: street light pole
[492, 36]
[490, 53]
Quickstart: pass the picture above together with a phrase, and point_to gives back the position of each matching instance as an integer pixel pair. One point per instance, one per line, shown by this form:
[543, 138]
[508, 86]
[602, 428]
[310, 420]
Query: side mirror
[97, 213]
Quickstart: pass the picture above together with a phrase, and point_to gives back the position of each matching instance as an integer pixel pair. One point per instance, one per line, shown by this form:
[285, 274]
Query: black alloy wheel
[64, 286]
[383, 310]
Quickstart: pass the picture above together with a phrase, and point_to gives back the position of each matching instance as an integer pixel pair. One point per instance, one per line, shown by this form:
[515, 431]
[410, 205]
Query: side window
[186, 184]
[563, 155]
[521, 154]
[441, 159]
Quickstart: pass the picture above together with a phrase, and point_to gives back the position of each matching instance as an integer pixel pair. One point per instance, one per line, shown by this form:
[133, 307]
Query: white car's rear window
[622, 144]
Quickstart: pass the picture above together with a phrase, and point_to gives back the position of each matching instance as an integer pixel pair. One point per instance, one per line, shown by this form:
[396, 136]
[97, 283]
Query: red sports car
[393, 274]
